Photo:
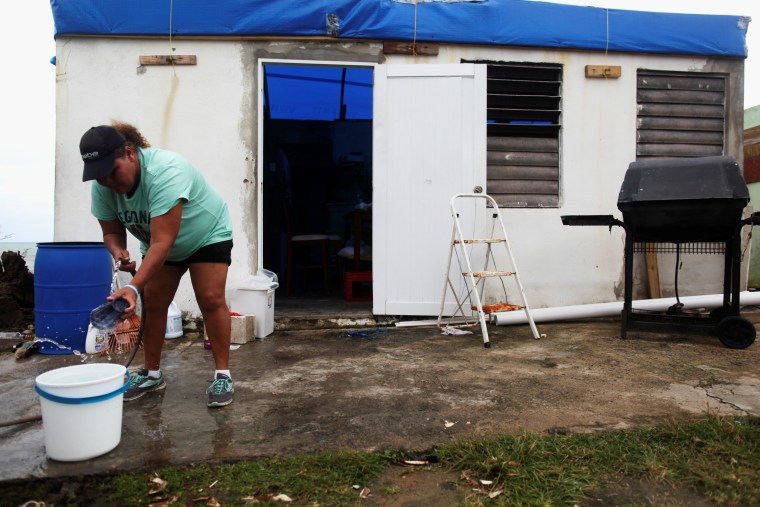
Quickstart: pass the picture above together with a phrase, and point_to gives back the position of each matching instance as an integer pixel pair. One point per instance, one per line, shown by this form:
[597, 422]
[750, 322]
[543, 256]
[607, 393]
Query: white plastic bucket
[173, 322]
[254, 295]
[81, 409]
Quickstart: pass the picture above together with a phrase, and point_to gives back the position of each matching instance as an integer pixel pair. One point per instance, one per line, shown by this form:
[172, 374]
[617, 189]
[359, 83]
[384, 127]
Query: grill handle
[754, 219]
[597, 220]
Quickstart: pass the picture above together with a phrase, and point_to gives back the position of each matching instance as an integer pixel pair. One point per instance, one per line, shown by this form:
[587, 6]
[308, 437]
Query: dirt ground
[410, 389]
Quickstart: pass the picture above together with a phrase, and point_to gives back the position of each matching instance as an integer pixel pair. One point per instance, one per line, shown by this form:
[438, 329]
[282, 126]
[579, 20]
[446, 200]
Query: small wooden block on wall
[408, 48]
[605, 71]
[168, 60]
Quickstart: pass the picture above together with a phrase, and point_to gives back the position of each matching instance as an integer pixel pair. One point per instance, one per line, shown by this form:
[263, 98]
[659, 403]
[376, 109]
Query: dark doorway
[317, 170]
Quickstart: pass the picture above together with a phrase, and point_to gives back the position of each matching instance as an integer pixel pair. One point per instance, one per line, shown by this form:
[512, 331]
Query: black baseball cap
[98, 149]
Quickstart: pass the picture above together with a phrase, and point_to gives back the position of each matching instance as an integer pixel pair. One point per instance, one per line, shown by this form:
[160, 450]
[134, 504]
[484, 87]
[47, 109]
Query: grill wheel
[736, 332]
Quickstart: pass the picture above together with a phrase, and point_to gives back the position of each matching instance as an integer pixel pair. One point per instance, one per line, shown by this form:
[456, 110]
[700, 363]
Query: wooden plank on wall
[678, 150]
[522, 187]
[168, 60]
[409, 48]
[682, 110]
[523, 172]
[507, 200]
[523, 144]
[681, 96]
[690, 124]
[653, 274]
[679, 136]
[522, 158]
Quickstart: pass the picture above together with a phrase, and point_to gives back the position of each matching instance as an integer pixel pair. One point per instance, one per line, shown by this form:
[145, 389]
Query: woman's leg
[209, 280]
[158, 294]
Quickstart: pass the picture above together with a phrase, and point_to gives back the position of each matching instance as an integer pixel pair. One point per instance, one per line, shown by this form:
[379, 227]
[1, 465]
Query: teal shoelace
[220, 385]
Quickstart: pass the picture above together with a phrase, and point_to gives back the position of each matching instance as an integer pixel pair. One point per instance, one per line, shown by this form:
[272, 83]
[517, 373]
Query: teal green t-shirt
[167, 178]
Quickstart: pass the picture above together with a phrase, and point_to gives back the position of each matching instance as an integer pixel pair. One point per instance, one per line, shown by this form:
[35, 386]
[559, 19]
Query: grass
[716, 458]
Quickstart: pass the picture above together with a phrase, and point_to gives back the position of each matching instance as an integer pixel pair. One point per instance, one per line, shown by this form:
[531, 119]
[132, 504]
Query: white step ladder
[475, 281]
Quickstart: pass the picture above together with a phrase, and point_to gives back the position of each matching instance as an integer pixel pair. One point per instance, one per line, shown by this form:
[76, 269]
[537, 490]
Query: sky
[27, 102]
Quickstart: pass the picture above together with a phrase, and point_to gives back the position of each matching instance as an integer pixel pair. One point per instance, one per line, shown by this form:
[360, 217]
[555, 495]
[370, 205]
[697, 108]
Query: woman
[182, 224]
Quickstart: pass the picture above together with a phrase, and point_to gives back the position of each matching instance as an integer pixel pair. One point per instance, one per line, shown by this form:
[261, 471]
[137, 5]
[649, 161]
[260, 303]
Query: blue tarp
[318, 93]
[500, 22]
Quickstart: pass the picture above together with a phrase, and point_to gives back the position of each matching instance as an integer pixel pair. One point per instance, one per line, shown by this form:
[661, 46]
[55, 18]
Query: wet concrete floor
[379, 387]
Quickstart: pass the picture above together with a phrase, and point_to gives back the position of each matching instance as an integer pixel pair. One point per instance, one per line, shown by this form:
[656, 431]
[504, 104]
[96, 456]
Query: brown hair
[133, 137]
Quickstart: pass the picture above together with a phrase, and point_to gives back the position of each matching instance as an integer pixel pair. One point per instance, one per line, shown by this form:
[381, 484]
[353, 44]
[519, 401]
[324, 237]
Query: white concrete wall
[202, 111]
[207, 113]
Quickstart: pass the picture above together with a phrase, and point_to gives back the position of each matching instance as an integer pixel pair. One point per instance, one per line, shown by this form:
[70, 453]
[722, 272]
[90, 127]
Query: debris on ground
[16, 292]
[25, 349]
[454, 331]
[369, 334]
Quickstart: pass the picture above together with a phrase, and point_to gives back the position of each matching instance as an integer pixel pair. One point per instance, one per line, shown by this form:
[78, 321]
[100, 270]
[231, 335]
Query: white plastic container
[96, 340]
[173, 322]
[81, 409]
[254, 295]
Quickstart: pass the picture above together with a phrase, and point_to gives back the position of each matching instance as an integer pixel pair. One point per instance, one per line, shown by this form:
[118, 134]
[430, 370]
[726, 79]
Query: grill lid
[683, 179]
[682, 200]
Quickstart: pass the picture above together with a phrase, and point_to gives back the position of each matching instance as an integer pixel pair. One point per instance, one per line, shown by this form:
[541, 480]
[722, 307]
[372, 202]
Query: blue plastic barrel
[70, 279]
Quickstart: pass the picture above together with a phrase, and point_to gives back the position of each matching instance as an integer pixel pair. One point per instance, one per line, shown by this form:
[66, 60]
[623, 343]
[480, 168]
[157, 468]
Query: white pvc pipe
[615, 308]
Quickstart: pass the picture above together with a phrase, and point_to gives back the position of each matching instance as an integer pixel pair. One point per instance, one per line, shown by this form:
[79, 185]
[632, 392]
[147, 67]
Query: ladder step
[472, 241]
[487, 274]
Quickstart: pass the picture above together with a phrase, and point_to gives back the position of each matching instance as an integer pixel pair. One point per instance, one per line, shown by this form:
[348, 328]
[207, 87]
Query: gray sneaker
[140, 384]
[220, 391]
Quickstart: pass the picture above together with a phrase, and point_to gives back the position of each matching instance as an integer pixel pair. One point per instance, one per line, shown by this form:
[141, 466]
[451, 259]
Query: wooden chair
[303, 246]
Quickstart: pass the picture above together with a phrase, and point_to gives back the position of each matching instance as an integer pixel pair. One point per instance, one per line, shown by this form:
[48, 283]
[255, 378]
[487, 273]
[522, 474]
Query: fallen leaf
[364, 493]
[160, 485]
[165, 503]
[466, 476]
[282, 497]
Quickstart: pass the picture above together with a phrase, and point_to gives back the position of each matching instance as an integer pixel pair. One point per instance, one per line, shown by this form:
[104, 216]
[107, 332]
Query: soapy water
[83, 356]
[116, 268]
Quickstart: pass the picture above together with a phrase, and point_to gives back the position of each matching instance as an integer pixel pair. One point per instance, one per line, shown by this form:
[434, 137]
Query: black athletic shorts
[215, 252]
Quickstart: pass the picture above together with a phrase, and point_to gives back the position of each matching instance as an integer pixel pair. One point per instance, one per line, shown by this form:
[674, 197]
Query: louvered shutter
[523, 134]
[680, 114]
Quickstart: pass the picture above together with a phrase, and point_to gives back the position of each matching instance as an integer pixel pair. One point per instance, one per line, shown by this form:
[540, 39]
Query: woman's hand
[130, 297]
[125, 263]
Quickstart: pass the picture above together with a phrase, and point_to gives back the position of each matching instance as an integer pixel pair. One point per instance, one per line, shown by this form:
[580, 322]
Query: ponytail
[133, 136]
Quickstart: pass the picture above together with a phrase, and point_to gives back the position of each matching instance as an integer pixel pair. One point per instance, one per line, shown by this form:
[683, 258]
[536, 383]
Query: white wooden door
[429, 144]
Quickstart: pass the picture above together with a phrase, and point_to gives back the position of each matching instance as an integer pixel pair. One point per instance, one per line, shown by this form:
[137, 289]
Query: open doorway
[317, 179]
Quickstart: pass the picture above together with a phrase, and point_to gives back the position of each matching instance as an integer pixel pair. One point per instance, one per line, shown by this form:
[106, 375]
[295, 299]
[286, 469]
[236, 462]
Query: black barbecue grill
[685, 205]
